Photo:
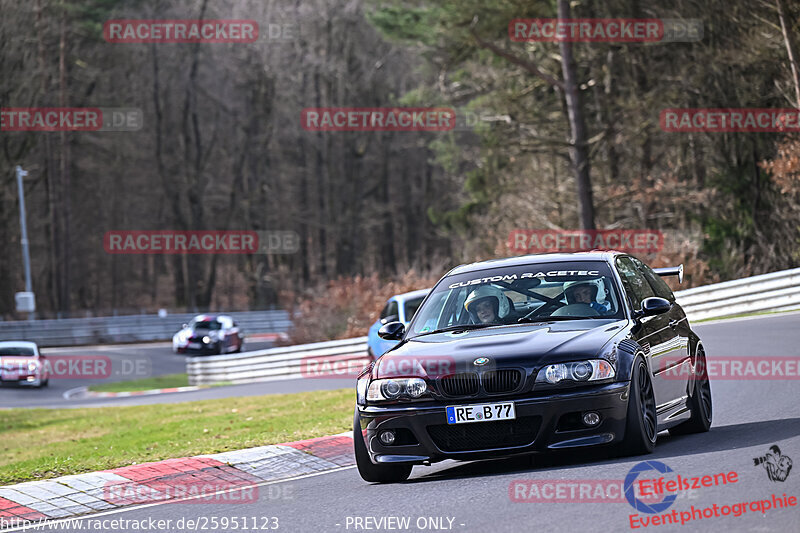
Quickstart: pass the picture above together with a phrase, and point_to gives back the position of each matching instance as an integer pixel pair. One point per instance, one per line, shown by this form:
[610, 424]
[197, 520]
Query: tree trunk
[791, 49]
[65, 198]
[579, 149]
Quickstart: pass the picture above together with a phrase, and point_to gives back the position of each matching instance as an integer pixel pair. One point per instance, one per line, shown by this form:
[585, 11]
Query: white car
[21, 362]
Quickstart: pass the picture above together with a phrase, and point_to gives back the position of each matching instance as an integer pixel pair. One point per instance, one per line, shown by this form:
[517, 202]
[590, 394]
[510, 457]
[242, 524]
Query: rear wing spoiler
[671, 271]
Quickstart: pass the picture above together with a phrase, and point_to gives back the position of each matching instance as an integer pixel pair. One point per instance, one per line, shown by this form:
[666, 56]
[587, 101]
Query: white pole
[25, 252]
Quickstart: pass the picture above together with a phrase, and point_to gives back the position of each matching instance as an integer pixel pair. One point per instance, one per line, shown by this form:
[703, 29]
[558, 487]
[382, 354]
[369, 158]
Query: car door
[676, 335]
[226, 339]
[238, 335]
[651, 334]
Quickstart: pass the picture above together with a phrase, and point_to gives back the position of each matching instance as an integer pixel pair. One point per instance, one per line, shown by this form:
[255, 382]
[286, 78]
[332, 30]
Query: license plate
[194, 345]
[488, 412]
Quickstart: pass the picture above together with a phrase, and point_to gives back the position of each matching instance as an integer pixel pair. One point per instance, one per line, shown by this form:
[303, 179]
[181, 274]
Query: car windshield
[525, 293]
[17, 350]
[206, 324]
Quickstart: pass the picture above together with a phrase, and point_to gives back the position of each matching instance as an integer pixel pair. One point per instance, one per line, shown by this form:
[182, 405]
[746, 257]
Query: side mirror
[393, 331]
[654, 306]
[184, 326]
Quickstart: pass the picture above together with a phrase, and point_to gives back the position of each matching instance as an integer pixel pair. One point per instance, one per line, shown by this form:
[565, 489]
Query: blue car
[399, 308]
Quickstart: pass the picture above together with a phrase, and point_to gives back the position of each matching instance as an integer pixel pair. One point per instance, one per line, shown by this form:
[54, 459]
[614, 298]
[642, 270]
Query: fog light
[591, 418]
[387, 437]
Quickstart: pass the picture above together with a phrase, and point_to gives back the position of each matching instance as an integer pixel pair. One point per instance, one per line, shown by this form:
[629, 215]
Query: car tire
[370, 471]
[700, 403]
[218, 348]
[44, 383]
[641, 426]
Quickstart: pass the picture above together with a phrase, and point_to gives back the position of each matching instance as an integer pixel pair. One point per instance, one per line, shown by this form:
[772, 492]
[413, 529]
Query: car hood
[526, 345]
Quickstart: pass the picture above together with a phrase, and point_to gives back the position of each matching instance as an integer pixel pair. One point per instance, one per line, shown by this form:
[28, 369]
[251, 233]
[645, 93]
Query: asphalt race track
[127, 362]
[749, 417]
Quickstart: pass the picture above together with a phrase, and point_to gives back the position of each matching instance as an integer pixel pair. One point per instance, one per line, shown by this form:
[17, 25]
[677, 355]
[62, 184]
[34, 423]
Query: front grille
[497, 381]
[485, 435]
[460, 384]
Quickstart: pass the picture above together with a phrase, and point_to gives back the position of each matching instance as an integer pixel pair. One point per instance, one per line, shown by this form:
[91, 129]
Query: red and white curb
[232, 477]
[83, 393]
[94, 394]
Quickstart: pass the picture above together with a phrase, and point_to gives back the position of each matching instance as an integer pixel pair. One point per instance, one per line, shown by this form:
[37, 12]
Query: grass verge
[47, 443]
[166, 381]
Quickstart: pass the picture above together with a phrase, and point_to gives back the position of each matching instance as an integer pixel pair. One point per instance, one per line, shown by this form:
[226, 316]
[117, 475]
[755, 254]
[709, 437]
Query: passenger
[584, 292]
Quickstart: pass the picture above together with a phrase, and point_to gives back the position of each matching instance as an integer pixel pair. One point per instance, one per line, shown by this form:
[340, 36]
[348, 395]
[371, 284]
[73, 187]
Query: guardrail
[779, 291]
[321, 359]
[131, 328]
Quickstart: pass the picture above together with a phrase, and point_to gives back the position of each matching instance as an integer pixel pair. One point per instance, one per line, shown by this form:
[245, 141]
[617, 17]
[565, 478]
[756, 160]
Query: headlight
[206, 339]
[579, 371]
[391, 389]
[32, 366]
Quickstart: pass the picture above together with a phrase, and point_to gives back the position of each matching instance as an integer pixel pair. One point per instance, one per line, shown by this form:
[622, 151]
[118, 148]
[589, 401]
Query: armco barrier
[779, 291]
[274, 363]
[131, 328]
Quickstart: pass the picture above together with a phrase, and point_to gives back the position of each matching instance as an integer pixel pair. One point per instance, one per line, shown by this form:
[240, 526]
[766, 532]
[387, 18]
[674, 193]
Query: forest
[548, 136]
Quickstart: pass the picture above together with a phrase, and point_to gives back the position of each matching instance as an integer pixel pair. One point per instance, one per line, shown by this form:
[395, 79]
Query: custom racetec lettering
[524, 275]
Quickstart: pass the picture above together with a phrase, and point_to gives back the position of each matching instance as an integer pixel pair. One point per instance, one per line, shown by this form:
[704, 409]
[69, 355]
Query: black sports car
[532, 354]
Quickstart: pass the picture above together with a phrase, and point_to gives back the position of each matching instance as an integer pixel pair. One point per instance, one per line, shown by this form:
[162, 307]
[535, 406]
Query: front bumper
[204, 349]
[543, 423]
[33, 379]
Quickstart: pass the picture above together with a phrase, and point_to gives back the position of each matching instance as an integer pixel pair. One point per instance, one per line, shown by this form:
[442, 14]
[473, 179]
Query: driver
[583, 292]
[487, 305]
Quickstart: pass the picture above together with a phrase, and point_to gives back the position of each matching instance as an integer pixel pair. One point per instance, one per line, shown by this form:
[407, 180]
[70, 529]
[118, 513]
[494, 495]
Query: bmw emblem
[480, 361]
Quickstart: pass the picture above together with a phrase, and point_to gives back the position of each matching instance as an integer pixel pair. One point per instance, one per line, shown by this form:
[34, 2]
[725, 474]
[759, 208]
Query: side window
[656, 283]
[411, 307]
[634, 282]
[389, 311]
